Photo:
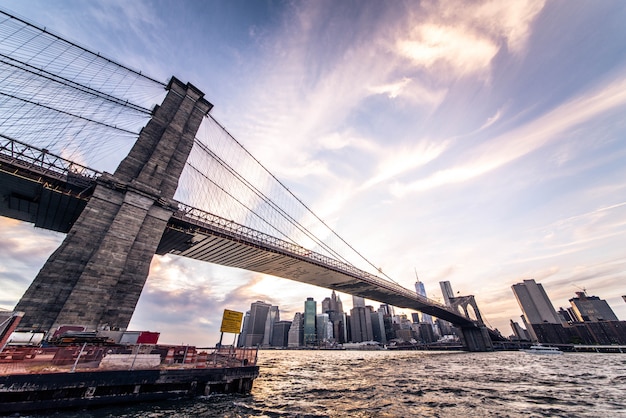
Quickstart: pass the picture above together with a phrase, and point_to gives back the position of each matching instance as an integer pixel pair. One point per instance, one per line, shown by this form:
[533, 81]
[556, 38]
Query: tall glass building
[310, 312]
[273, 317]
[421, 290]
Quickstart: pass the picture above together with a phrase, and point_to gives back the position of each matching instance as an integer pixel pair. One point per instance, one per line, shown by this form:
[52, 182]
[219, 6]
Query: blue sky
[478, 142]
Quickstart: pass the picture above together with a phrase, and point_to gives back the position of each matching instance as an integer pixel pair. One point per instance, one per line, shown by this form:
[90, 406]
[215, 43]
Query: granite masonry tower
[95, 277]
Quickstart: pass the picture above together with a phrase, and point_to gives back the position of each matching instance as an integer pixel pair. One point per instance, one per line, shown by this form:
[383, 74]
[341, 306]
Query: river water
[412, 383]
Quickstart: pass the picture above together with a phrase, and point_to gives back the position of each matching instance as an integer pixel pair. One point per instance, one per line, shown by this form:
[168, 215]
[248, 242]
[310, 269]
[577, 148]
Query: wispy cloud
[400, 160]
[499, 151]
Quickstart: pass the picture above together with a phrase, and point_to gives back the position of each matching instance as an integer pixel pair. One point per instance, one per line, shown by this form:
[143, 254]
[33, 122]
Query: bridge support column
[476, 338]
[96, 276]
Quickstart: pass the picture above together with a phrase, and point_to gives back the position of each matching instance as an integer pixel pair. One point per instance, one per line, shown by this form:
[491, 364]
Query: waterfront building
[415, 317]
[442, 328]
[310, 312]
[338, 323]
[280, 335]
[273, 316]
[421, 291]
[566, 315]
[378, 327]
[591, 309]
[361, 324]
[536, 306]
[390, 332]
[324, 328]
[404, 335]
[296, 331]
[426, 333]
[519, 333]
[259, 311]
[241, 341]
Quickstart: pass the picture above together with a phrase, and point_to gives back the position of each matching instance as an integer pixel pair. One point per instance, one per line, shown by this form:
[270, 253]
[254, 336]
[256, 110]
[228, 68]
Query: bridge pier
[476, 338]
[97, 274]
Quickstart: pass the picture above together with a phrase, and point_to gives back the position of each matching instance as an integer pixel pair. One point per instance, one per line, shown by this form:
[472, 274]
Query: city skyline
[331, 326]
[477, 143]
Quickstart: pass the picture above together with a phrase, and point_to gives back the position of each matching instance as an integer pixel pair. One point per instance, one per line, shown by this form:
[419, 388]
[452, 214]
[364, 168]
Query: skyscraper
[280, 336]
[324, 328]
[421, 291]
[256, 324]
[326, 305]
[334, 308]
[296, 333]
[535, 305]
[273, 316]
[591, 309]
[361, 324]
[386, 309]
[358, 301]
[310, 312]
[378, 327]
[520, 333]
[241, 341]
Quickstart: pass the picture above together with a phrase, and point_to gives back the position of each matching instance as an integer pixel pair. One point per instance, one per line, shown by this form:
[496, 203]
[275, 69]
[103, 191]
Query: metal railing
[45, 163]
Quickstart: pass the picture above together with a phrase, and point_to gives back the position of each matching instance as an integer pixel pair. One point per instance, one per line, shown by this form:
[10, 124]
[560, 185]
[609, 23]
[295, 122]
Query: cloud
[458, 39]
[513, 145]
[400, 160]
[392, 90]
[24, 250]
[490, 121]
[448, 49]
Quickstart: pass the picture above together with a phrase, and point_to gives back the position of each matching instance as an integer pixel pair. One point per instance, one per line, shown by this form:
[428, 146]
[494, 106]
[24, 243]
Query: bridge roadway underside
[48, 202]
[220, 248]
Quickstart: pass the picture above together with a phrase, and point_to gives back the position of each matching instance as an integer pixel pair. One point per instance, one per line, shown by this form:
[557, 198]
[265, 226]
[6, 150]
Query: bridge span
[51, 192]
[115, 223]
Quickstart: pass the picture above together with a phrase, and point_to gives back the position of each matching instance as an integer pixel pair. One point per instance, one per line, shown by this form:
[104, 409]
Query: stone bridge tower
[95, 277]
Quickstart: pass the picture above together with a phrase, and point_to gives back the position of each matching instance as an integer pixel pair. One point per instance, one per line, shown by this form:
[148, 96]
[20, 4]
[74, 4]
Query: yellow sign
[231, 321]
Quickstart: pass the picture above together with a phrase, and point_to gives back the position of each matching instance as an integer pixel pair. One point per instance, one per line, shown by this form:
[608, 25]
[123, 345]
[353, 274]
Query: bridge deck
[219, 244]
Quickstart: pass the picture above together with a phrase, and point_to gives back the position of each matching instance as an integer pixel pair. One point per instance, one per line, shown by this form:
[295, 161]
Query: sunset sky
[479, 142]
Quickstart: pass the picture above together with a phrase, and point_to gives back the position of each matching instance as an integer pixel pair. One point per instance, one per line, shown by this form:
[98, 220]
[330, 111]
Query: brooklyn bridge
[184, 186]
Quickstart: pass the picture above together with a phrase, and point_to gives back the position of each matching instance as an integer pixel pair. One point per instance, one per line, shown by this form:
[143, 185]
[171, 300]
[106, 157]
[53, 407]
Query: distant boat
[542, 349]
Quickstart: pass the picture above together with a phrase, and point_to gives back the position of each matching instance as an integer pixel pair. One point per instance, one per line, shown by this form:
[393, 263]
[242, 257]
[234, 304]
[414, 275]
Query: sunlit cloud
[457, 39]
[448, 49]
